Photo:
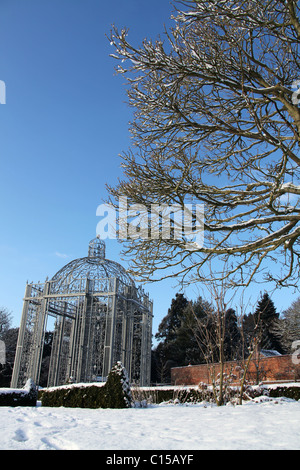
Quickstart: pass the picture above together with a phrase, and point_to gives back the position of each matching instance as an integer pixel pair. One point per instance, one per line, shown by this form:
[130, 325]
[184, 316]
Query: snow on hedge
[26, 396]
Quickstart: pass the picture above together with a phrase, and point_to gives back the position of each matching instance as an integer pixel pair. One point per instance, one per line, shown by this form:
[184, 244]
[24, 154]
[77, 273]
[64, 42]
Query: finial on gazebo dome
[96, 248]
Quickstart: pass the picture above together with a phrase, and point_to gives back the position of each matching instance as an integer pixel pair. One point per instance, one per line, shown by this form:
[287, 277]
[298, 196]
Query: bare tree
[290, 325]
[211, 333]
[216, 120]
[5, 320]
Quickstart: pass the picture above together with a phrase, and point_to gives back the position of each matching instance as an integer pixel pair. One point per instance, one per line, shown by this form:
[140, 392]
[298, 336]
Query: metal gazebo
[98, 317]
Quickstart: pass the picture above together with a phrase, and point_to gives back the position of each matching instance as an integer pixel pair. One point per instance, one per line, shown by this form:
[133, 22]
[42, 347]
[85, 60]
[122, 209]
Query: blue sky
[62, 128]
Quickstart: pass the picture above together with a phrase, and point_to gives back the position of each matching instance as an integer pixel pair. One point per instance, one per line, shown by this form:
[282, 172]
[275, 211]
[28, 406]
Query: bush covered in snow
[115, 393]
[117, 388]
[26, 396]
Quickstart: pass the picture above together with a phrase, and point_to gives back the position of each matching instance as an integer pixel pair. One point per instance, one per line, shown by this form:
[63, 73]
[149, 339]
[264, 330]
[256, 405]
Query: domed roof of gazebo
[94, 266]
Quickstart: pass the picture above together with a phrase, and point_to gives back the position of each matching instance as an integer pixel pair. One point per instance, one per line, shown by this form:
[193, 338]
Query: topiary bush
[117, 388]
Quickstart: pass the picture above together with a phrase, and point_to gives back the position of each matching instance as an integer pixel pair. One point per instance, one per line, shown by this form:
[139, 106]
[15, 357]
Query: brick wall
[261, 369]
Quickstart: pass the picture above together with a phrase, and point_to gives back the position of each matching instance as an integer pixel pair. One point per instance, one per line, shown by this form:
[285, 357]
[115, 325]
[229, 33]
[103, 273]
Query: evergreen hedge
[285, 391]
[26, 396]
[115, 393]
[75, 397]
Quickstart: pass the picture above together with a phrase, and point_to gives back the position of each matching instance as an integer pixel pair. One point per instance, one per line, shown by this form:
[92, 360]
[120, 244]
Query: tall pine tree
[267, 321]
[172, 321]
[232, 339]
[168, 353]
[190, 333]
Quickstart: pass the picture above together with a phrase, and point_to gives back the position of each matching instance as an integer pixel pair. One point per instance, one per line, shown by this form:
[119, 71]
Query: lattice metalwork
[98, 317]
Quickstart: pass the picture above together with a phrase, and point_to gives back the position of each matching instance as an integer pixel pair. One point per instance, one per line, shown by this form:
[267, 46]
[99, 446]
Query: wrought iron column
[21, 336]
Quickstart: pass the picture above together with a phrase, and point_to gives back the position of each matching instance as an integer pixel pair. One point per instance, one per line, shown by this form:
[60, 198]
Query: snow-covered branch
[216, 122]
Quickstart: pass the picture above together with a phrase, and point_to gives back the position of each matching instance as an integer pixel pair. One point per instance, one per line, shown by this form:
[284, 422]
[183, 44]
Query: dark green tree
[181, 335]
[233, 338]
[169, 353]
[267, 320]
[248, 332]
[196, 318]
[117, 388]
[169, 325]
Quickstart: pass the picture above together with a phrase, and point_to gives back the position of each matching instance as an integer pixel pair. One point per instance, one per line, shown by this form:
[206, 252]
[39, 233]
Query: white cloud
[61, 255]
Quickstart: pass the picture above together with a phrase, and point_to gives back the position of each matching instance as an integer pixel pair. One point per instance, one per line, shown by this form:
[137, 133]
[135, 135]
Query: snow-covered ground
[271, 424]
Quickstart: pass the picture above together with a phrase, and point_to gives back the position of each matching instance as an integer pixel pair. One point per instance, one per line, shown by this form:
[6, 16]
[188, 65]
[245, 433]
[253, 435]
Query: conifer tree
[198, 312]
[168, 353]
[118, 391]
[267, 320]
[172, 321]
[232, 340]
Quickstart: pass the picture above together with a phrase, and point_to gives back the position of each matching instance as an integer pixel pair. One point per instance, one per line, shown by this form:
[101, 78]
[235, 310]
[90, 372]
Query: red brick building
[263, 368]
